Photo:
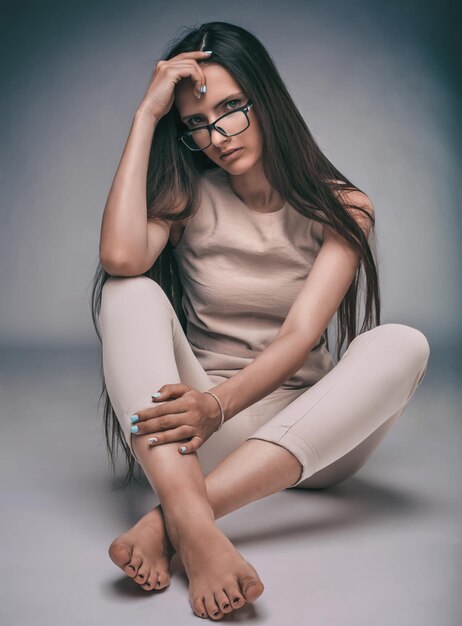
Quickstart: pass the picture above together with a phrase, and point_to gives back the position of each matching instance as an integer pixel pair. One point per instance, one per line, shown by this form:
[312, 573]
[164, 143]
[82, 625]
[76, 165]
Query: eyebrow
[217, 106]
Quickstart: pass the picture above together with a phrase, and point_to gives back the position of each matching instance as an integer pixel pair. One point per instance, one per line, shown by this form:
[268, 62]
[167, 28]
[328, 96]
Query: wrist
[146, 115]
[216, 409]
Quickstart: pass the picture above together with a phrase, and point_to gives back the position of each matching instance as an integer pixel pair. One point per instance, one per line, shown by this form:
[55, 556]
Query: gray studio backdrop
[374, 82]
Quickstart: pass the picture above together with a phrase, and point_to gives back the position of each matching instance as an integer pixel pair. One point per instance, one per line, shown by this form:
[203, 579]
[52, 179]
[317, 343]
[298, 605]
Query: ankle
[187, 503]
[187, 523]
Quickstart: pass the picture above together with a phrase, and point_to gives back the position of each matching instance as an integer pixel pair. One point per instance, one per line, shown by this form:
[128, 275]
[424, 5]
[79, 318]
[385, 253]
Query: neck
[254, 190]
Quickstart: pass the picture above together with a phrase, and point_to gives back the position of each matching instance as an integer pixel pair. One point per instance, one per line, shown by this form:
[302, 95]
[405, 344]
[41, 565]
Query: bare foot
[144, 551]
[220, 579]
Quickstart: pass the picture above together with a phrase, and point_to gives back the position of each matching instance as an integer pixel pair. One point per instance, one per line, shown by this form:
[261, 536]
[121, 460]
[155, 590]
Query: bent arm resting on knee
[270, 369]
[319, 298]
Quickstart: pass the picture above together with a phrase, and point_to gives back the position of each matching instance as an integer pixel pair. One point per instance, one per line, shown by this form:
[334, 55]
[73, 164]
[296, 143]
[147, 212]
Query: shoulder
[358, 204]
[209, 178]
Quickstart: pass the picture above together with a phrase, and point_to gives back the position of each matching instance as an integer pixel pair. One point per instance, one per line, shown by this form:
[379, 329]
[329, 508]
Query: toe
[132, 568]
[223, 601]
[151, 581]
[198, 607]
[235, 596]
[213, 609]
[143, 573]
[120, 554]
[163, 580]
[251, 586]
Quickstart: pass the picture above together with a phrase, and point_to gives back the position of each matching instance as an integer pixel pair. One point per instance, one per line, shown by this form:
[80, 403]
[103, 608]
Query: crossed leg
[137, 331]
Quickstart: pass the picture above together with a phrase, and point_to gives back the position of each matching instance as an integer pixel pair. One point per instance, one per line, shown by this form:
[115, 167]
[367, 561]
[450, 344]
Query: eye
[191, 121]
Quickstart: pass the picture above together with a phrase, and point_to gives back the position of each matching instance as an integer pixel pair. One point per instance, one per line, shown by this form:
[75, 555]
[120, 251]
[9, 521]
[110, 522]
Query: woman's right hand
[160, 94]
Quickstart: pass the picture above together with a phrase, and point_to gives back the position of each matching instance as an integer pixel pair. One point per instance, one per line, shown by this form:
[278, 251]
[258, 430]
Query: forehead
[219, 83]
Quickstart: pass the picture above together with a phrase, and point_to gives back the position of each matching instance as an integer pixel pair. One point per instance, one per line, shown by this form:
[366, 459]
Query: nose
[218, 139]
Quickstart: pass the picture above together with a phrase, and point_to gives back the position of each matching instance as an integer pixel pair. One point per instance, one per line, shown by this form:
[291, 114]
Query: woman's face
[197, 112]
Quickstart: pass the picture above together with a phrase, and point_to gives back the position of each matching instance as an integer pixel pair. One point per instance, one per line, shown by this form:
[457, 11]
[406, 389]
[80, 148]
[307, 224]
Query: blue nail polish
[183, 449]
[156, 395]
[134, 418]
[134, 429]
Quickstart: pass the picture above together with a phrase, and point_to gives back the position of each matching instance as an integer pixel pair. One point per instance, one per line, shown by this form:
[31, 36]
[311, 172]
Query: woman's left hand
[188, 414]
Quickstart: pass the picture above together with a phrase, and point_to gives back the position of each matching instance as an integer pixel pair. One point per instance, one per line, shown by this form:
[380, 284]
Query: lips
[229, 152]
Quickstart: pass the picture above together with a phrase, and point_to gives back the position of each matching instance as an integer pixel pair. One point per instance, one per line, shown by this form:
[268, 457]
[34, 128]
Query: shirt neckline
[264, 215]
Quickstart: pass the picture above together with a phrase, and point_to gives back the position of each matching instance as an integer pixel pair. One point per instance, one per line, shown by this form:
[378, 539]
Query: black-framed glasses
[231, 123]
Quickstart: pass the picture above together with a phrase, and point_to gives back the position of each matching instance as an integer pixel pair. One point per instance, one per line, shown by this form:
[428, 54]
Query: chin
[240, 166]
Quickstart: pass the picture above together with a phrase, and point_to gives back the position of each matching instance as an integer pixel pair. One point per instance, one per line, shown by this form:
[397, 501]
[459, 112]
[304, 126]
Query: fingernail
[134, 429]
[153, 440]
[207, 51]
[156, 395]
[134, 418]
[183, 449]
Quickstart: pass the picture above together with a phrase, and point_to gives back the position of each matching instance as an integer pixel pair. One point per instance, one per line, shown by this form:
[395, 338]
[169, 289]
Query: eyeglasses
[231, 123]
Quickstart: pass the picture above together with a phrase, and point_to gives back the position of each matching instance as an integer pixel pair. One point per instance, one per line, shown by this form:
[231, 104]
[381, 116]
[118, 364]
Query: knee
[410, 342]
[336, 473]
[122, 288]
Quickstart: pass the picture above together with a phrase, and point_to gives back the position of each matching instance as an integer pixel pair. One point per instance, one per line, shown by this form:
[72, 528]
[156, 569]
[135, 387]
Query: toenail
[216, 612]
[236, 600]
[225, 606]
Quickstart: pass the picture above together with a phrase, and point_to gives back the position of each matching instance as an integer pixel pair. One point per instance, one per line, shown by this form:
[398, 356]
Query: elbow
[116, 266]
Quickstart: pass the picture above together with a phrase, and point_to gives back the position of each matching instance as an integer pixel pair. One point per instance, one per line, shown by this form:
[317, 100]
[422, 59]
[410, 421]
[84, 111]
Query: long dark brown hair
[293, 164]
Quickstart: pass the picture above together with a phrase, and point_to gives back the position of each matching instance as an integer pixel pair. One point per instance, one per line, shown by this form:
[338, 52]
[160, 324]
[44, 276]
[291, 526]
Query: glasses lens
[198, 139]
[231, 124]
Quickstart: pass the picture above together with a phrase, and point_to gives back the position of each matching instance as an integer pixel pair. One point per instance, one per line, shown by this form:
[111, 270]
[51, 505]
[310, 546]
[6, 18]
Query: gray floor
[382, 548]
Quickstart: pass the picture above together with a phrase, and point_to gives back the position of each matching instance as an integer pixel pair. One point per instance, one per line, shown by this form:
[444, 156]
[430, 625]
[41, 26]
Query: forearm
[268, 371]
[124, 223]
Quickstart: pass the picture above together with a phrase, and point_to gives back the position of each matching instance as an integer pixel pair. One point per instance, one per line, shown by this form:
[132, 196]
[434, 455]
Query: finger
[192, 70]
[174, 390]
[193, 54]
[163, 414]
[165, 422]
[181, 401]
[196, 56]
[170, 436]
[191, 446]
[200, 83]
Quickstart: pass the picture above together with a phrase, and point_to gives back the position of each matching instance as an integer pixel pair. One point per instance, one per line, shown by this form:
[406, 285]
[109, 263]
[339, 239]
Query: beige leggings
[331, 427]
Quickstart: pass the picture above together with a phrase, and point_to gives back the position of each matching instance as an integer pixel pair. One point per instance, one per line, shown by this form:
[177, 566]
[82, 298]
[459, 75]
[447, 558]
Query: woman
[215, 291]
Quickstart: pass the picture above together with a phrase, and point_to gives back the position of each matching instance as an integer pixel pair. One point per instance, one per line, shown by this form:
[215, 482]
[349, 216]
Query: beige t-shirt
[241, 271]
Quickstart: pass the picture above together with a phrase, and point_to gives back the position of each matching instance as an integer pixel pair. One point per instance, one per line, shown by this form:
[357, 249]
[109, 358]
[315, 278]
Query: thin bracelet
[221, 409]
